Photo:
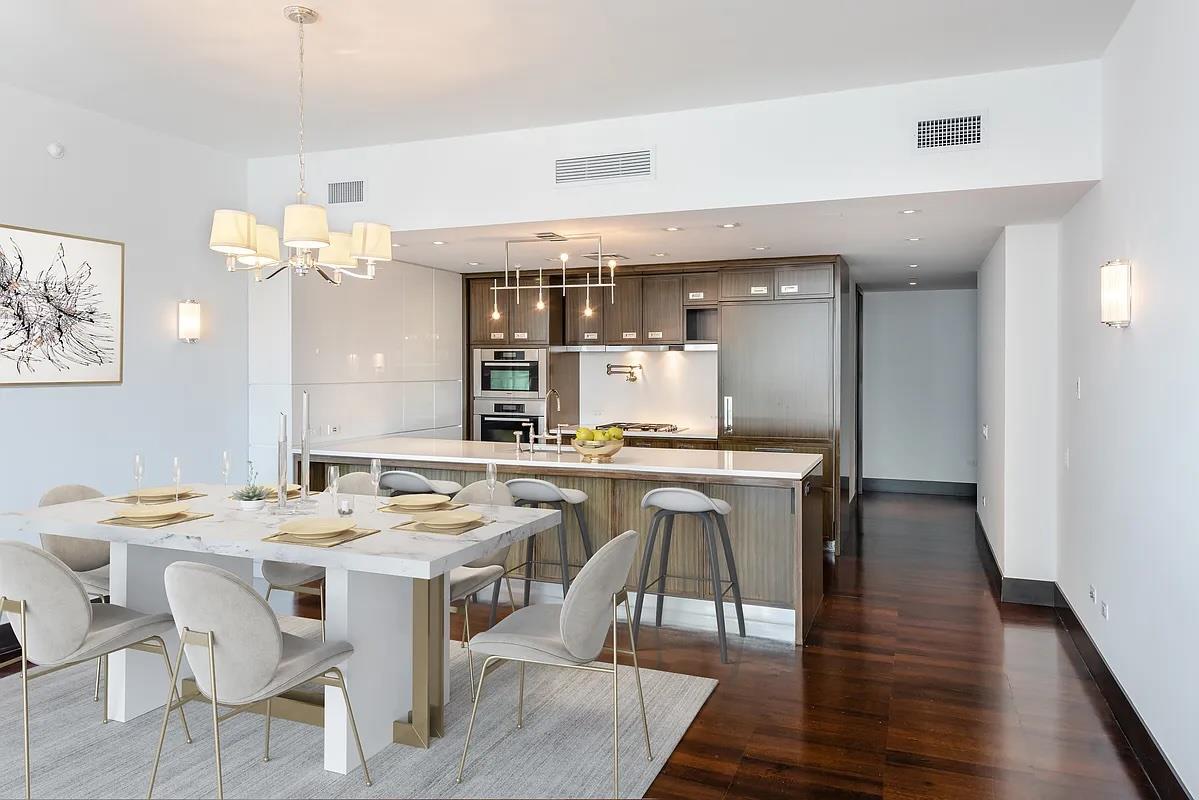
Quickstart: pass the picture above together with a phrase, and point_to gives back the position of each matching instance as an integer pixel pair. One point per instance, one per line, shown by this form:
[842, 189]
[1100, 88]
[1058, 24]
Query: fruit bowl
[597, 451]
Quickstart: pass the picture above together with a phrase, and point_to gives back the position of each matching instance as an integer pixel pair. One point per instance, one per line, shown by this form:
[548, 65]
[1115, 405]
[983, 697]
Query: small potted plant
[252, 496]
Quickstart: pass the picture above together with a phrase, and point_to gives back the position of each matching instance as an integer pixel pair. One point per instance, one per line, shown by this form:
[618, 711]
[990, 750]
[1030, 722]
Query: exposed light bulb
[611, 263]
[587, 311]
[540, 304]
[563, 257]
[495, 314]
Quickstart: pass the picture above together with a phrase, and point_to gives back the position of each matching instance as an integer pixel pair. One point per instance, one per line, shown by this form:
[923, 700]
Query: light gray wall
[919, 383]
[156, 194]
[991, 324]
[849, 385]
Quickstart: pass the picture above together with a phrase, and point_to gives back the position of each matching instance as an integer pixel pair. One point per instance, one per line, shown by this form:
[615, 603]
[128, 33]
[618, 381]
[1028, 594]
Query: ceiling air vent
[949, 131]
[634, 164]
[550, 236]
[345, 192]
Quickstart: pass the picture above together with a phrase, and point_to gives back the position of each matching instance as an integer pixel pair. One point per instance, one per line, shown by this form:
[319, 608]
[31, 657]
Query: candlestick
[284, 457]
[305, 447]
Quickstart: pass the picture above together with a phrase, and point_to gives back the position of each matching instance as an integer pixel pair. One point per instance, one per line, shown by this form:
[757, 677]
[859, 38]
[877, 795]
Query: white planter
[251, 505]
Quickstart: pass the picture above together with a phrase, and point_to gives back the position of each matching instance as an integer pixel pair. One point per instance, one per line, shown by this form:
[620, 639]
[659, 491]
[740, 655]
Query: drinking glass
[225, 466]
[139, 472]
[331, 475]
[176, 475]
[344, 505]
[492, 476]
[376, 476]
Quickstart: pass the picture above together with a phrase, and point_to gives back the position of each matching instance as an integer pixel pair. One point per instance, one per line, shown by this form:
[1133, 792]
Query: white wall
[1128, 521]
[156, 194]
[849, 385]
[991, 325]
[1041, 128]
[673, 387]
[919, 385]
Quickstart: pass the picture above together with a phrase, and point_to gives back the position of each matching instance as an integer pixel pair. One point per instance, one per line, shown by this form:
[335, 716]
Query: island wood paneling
[762, 530]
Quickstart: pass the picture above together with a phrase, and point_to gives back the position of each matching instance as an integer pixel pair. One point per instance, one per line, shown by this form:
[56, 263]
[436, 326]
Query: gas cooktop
[647, 427]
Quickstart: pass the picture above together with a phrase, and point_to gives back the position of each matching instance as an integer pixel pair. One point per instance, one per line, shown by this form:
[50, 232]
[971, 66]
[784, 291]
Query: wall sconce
[189, 321]
[1115, 293]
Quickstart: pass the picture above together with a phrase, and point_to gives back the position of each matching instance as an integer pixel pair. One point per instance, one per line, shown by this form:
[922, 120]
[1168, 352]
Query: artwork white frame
[62, 308]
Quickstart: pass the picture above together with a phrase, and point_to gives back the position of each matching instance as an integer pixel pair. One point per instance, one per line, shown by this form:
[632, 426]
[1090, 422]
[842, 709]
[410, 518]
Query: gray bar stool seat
[671, 502]
[535, 493]
[398, 481]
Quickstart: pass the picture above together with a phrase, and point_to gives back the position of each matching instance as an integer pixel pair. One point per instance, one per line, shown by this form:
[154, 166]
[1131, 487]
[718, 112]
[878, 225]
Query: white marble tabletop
[233, 532]
[706, 463]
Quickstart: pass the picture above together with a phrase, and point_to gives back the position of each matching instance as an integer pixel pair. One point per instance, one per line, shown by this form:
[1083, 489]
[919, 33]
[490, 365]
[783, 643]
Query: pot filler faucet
[557, 399]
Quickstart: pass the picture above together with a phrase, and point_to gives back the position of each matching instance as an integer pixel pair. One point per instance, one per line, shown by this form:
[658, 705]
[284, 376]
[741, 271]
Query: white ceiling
[222, 72]
[956, 230]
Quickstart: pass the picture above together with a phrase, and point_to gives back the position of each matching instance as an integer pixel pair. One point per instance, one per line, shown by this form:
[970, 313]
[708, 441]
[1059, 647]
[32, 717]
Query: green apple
[615, 434]
[585, 434]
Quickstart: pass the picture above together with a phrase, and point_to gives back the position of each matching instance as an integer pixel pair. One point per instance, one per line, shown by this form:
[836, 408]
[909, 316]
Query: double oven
[509, 393]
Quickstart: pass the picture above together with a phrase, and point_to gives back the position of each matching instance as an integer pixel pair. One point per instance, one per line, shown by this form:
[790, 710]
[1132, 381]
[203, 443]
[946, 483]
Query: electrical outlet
[332, 429]
[1091, 592]
[1103, 609]
[984, 500]
[1078, 388]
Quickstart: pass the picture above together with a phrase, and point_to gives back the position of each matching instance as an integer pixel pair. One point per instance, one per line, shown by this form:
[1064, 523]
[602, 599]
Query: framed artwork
[62, 312]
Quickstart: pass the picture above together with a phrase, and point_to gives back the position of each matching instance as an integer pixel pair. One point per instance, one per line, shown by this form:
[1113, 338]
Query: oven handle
[507, 419]
[507, 364]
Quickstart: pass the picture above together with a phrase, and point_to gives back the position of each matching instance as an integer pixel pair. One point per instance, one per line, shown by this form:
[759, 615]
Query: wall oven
[510, 373]
[499, 420]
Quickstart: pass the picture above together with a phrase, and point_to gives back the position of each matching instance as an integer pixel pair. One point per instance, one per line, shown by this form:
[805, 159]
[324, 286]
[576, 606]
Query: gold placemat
[130, 500]
[341, 538]
[417, 527]
[150, 524]
[450, 506]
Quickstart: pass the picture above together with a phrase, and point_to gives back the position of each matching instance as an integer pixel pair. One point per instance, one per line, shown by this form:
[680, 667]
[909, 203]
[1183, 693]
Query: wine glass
[176, 475]
[492, 477]
[376, 476]
[225, 467]
[139, 472]
[331, 475]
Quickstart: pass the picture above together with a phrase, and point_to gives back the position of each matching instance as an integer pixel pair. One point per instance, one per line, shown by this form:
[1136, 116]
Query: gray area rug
[563, 750]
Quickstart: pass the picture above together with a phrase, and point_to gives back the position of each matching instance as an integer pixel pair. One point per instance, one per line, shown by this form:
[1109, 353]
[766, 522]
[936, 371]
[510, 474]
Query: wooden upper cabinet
[526, 324]
[622, 319]
[580, 328]
[662, 309]
[813, 280]
[747, 284]
[483, 329]
[701, 288]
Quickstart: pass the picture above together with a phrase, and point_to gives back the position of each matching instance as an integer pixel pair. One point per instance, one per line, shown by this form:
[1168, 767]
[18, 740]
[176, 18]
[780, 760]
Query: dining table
[386, 593]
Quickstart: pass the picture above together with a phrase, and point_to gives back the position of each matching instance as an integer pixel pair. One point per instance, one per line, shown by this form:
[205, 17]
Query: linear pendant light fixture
[247, 245]
[515, 286]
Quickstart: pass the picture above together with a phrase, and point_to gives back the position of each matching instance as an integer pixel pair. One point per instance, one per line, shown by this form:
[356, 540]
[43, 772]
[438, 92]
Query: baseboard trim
[9, 646]
[1025, 591]
[1157, 767]
[987, 556]
[949, 488]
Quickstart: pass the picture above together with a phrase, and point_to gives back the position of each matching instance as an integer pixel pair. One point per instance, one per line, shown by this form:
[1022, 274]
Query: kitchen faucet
[557, 399]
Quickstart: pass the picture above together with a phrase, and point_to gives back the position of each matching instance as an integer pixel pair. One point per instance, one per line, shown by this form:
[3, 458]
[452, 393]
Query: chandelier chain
[303, 193]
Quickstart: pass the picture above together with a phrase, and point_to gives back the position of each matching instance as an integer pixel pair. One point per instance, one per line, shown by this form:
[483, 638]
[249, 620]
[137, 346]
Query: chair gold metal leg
[174, 689]
[615, 713]
[25, 694]
[465, 622]
[322, 587]
[470, 657]
[266, 748]
[166, 715]
[473, 711]
[216, 722]
[649, 753]
[345, 694]
[96, 697]
[104, 669]
[520, 695]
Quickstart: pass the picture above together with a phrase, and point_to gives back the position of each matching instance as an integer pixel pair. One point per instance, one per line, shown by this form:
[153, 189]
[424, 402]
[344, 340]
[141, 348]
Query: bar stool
[711, 511]
[398, 481]
[535, 493]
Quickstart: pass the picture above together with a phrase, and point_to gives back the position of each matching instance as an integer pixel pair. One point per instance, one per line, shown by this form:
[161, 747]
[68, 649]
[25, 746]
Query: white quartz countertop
[684, 433]
[231, 532]
[703, 463]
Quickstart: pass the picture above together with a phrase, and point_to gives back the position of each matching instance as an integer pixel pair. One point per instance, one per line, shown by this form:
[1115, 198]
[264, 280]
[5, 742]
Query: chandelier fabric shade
[305, 226]
[337, 254]
[233, 232]
[371, 241]
[266, 250]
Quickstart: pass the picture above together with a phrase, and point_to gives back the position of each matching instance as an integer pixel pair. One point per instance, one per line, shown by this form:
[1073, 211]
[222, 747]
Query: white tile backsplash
[672, 387]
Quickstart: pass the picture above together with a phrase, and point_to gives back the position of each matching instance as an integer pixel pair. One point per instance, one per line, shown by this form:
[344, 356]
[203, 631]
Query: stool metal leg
[663, 559]
[495, 602]
[714, 564]
[732, 568]
[583, 533]
[645, 559]
[528, 568]
[562, 550]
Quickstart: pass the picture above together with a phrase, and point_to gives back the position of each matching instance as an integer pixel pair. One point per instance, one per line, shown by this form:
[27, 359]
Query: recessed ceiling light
[671, 228]
[762, 247]
[474, 263]
[731, 225]
[913, 266]
[911, 283]
[438, 242]
[913, 238]
[910, 211]
[397, 245]
[661, 255]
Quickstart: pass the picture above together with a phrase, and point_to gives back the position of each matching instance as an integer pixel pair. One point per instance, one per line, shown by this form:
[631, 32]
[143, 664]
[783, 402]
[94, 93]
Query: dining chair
[238, 655]
[399, 481]
[476, 575]
[58, 626]
[569, 635]
[87, 558]
[355, 483]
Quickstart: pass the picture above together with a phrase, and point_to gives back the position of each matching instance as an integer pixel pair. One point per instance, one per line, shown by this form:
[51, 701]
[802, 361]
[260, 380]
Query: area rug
[563, 750]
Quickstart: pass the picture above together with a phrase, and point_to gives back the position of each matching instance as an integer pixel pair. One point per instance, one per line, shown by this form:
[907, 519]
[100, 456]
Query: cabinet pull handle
[773, 450]
[520, 335]
[655, 334]
[728, 414]
[789, 288]
[759, 289]
[629, 335]
[590, 335]
[695, 295]
[497, 336]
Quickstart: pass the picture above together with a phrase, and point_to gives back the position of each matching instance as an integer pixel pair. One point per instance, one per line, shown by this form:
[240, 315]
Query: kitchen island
[775, 522]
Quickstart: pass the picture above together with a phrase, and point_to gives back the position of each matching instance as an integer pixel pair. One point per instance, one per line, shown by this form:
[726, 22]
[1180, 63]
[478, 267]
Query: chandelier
[598, 282]
[311, 246]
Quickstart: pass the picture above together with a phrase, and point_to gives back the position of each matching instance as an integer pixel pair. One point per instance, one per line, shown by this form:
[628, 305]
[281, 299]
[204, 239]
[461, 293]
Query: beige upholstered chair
[58, 626]
[87, 558]
[570, 635]
[355, 483]
[403, 482]
[239, 657]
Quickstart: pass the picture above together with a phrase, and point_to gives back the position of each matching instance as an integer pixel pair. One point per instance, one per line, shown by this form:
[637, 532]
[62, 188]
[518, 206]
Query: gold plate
[150, 524]
[417, 502]
[418, 527]
[151, 513]
[159, 492]
[332, 541]
[447, 519]
[316, 527]
[450, 506]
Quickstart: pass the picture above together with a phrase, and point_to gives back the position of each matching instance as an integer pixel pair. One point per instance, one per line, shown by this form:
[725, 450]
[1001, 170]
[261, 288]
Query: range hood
[694, 347]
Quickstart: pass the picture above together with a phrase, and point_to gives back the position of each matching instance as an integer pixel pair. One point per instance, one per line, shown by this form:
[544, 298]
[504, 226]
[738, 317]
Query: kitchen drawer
[815, 280]
[757, 284]
[701, 288]
[694, 444]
